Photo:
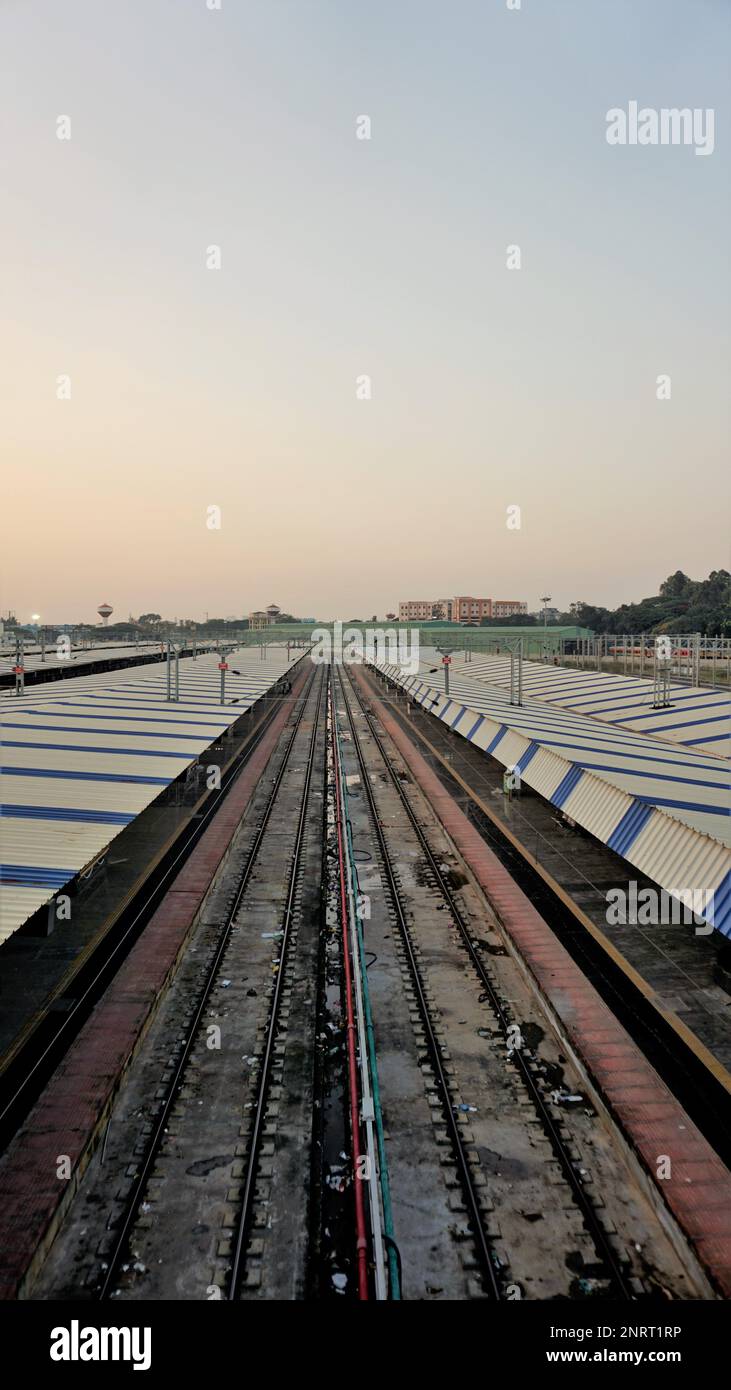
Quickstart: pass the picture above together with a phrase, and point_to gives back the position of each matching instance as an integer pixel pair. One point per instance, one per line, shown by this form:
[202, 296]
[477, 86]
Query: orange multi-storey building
[462, 609]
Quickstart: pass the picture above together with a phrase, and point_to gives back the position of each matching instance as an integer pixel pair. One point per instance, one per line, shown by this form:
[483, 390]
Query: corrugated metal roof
[596, 805]
[664, 807]
[699, 717]
[681, 862]
[547, 773]
[81, 759]
[33, 659]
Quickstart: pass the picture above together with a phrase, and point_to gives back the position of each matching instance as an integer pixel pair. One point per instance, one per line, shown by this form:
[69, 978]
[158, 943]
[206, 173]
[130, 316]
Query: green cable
[388, 1227]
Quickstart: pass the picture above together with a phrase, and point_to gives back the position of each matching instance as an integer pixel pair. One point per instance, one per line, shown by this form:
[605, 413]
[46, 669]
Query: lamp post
[545, 600]
[36, 618]
[661, 682]
[19, 668]
[515, 647]
[446, 654]
[172, 650]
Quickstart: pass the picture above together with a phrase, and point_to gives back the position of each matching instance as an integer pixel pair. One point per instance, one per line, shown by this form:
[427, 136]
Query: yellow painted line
[694, 1043]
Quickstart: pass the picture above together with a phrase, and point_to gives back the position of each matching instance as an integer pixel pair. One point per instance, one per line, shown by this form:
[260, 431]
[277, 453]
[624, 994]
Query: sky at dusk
[235, 388]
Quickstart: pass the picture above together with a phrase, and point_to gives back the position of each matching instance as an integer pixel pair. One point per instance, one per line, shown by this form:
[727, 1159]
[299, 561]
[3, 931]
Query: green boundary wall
[536, 640]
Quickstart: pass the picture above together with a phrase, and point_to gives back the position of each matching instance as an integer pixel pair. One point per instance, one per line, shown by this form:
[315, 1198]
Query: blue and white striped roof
[663, 807]
[699, 717]
[82, 758]
[35, 660]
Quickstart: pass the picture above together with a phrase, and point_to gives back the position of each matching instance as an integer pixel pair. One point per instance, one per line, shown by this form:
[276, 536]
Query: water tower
[104, 610]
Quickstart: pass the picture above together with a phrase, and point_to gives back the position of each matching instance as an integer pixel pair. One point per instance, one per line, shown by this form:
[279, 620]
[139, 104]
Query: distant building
[414, 608]
[425, 610]
[462, 609]
[508, 607]
[471, 610]
[264, 617]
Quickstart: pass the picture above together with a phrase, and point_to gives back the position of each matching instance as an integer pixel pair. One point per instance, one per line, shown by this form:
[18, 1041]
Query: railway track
[310, 710]
[38, 1050]
[469, 1188]
[619, 1281]
[330, 1103]
[701, 1093]
[274, 1023]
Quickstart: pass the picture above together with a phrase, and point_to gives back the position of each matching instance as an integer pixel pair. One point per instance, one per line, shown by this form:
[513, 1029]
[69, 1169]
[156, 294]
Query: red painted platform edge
[655, 1124]
[68, 1117]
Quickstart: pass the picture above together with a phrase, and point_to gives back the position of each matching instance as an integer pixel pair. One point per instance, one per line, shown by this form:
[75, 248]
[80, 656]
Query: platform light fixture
[446, 655]
[545, 600]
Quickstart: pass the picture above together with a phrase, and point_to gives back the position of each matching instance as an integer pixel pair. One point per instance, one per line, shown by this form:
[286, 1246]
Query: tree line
[682, 605]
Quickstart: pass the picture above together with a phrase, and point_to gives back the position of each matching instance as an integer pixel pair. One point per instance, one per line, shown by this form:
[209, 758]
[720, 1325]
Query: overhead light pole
[446, 654]
[515, 648]
[36, 618]
[172, 651]
[19, 667]
[545, 600]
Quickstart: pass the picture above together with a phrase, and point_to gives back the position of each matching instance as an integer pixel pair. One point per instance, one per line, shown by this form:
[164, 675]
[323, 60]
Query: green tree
[682, 605]
[677, 585]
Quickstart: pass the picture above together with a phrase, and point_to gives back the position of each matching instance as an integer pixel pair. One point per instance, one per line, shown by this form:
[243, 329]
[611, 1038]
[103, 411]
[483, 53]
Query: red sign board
[18, 670]
[223, 666]
[446, 661]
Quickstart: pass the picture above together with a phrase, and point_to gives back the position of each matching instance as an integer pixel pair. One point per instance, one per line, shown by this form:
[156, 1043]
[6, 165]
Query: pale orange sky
[236, 388]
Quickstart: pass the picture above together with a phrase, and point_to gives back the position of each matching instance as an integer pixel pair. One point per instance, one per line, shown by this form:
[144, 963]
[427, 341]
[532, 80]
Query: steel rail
[259, 1108]
[361, 1244]
[155, 1138]
[379, 1178]
[468, 1185]
[599, 1236]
